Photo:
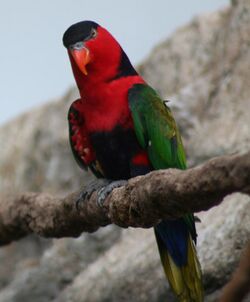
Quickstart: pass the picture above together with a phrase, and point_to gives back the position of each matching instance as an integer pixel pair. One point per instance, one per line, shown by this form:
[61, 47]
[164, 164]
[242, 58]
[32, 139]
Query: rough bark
[143, 202]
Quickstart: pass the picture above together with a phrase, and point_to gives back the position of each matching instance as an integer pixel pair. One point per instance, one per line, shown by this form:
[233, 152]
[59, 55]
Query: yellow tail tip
[185, 281]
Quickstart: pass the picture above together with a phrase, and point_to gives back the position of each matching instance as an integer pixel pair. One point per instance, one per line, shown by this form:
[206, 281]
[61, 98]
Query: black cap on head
[78, 32]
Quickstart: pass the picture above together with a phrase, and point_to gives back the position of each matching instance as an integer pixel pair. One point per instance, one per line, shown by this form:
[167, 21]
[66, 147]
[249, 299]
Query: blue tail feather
[174, 235]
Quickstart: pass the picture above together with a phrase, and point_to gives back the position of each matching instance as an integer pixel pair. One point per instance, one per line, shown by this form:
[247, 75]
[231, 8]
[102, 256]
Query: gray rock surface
[43, 280]
[204, 68]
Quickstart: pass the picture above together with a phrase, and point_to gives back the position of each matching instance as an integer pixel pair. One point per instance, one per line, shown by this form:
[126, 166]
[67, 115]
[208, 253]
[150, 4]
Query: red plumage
[103, 105]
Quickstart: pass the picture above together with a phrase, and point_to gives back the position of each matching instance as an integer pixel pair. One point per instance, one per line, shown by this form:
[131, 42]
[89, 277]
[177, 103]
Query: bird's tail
[179, 259]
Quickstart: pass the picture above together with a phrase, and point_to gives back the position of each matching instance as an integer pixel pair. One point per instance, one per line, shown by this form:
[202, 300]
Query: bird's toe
[103, 192]
[87, 191]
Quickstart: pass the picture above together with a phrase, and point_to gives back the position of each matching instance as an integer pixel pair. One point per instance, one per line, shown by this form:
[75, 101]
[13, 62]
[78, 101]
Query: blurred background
[194, 53]
[34, 64]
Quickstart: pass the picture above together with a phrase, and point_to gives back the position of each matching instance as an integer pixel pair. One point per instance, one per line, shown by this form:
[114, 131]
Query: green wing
[157, 132]
[155, 128]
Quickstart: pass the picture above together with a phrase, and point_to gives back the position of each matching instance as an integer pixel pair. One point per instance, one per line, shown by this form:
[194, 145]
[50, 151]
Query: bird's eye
[93, 33]
[78, 45]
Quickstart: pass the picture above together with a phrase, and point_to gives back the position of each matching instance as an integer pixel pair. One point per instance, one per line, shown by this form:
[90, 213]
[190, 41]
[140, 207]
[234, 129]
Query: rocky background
[204, 69]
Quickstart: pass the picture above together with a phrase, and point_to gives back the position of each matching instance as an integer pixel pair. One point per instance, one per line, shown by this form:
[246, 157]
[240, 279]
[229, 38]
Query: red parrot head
[94, 53]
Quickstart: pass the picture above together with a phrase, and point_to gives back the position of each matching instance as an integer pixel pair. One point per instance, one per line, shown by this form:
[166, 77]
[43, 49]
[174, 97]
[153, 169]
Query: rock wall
[204, 69]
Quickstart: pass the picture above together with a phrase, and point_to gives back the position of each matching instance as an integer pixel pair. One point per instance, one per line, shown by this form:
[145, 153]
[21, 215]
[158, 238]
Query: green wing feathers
[155, 128]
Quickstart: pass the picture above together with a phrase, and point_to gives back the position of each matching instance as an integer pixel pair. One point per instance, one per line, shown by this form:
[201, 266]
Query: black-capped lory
[120, 128]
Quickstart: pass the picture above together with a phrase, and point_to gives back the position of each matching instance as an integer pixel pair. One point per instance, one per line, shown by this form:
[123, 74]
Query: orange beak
[82, 58]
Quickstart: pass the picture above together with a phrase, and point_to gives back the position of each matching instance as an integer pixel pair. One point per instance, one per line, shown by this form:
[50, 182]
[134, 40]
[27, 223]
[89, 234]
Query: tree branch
[142, 203]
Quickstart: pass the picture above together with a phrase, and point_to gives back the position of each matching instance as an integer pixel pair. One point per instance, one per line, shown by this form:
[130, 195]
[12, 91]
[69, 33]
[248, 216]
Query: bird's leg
[103, 192]
[95, 185]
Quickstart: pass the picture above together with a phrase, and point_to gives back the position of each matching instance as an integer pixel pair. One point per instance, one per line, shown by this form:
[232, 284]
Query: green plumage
[157, 133]
[156, 129]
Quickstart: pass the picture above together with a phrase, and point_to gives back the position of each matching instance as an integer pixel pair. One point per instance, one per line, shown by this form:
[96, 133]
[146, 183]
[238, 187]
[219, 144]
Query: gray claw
[103, 192]
[86, 193]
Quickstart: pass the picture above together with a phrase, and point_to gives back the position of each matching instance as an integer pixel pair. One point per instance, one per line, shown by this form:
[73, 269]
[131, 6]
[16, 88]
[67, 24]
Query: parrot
[120, 128]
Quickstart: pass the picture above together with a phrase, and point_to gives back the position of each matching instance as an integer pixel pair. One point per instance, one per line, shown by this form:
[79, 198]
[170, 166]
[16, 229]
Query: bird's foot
[95, 185]
[103, 193]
